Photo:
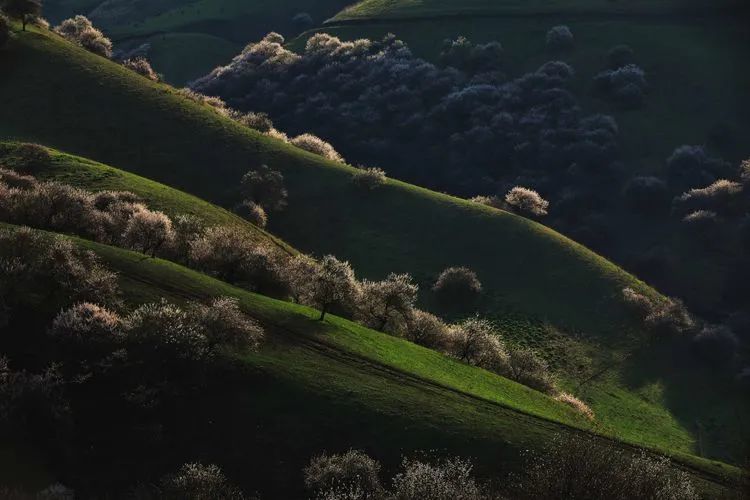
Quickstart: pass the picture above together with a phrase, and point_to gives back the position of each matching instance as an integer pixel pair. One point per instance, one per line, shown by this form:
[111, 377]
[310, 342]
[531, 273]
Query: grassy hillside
[336, 384]
[94, 176]
[543, 289]
[392, 9]
[199, 34]
[698, 97]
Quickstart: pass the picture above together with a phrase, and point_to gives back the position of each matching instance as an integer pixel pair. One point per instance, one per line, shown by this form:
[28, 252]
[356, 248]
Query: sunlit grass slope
[393, 9]
[94, 176]
[336, 385]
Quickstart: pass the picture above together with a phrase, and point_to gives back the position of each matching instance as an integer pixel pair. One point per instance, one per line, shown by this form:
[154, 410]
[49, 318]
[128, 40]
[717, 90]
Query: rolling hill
[93, 176]
[337, 385]
[188, 38]
[698, 98]
[543, 289]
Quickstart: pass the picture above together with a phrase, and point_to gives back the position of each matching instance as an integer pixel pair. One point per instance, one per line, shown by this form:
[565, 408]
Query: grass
[394, 9]
[542, 288]
[189, 38]
[183, 57]
[335, 384]
[94, 176]
[698, 97]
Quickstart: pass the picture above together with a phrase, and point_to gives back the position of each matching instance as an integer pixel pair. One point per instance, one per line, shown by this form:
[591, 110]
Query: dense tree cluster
[81, 31]
[581, 467]
[355, 476]
[33, 266]
[438, 126]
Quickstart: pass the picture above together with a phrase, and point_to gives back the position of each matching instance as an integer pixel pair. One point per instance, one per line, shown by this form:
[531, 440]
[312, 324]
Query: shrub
[620, 56]
[105, 200]
[298, 273]
[691, 166]
[526, 201]
[723, 196]
[141, 66]
[35, 268]
[164, 331]
[316, 145]
[490, 201]
[715, 345]
[4, 30]
[27, 158]
[56, 491]
[195, 481]
[705, 225]
[235, 258]
[148, 231]
[625, 85]
[457, 286]
[527, 368]
[333, 284]
[264, 187]
[23, 10]
[577, 466]
[254, 213]
[224, 324]
[187, 228]
[81, 31]
[256, 121]
[386, 305]
[31, 403]
[557, 69]
[665, 317]
[475, 341]
[13, 179]
[647, 194]
[87, 324]
[448, 479]
[350, 475]
[559, 38]
[427, 330]
[576, 404]
[462, 54]
[369, 178]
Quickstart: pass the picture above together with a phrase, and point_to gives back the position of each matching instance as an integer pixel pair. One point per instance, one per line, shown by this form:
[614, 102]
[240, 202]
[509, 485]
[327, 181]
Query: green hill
[392, 9]
[336, 385]
[543, 289]
[697, 97]
[93, 176]
[189, 38]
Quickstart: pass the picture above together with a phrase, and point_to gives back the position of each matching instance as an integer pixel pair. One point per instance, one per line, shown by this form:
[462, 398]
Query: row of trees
[328, 284]
[571, 467]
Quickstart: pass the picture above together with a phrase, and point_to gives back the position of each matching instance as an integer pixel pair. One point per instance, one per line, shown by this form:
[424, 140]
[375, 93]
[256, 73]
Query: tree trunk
[322, 313]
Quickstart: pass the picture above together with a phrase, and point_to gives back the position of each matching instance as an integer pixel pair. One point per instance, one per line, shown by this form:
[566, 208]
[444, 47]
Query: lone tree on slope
[22, 10]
